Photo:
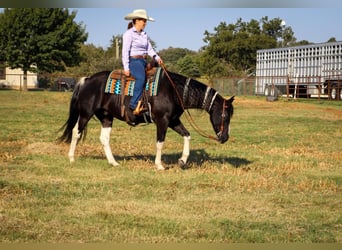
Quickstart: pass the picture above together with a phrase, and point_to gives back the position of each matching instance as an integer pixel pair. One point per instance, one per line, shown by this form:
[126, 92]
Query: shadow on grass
[198, 158]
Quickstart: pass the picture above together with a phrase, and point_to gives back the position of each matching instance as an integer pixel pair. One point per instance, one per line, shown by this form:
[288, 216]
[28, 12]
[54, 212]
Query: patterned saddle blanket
[117, 83]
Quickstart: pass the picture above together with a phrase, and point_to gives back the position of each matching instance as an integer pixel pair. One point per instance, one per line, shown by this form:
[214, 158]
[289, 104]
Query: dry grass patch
[277, 180]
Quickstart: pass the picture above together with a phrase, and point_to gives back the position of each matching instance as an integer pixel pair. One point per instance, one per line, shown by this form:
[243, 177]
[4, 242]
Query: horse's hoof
[72, 159]
[160, 167]
[181, 163]
[115, 164]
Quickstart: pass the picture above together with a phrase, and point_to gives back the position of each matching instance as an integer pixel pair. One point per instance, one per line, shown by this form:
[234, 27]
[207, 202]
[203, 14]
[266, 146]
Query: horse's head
[220, 116]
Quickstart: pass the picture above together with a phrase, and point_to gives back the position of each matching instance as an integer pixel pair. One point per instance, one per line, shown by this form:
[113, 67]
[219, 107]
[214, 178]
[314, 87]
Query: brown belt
[139, 57]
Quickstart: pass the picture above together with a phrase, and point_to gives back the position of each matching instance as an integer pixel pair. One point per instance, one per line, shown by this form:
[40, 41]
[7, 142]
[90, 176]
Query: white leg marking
[104, 138]
[75, 136]
[186, 151]
[158, 156]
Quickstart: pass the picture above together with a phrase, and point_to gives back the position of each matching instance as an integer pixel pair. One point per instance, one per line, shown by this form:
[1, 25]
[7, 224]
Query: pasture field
[277, 180]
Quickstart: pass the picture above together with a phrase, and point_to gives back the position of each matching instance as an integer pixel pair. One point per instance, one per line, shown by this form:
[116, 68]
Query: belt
[139, 57]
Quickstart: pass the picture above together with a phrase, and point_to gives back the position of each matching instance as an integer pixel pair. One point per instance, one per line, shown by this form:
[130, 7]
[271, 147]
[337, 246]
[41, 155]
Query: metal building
[302, 71]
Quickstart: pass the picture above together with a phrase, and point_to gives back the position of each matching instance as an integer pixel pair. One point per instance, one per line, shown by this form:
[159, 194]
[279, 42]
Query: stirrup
[140, 108]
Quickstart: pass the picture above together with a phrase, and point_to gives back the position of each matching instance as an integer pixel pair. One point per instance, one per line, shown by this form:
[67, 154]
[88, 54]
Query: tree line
[49, 41]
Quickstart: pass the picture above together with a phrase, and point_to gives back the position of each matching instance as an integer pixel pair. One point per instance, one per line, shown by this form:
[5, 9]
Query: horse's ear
[231, 100]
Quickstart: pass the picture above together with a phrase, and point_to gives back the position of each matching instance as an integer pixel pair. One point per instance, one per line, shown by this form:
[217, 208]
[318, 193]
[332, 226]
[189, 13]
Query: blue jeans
[137, 67]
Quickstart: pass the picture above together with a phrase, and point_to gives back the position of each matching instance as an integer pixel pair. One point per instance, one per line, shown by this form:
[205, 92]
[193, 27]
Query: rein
[188, 115]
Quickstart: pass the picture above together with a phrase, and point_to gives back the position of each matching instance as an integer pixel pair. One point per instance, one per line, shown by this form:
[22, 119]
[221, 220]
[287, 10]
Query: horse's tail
[73, 113]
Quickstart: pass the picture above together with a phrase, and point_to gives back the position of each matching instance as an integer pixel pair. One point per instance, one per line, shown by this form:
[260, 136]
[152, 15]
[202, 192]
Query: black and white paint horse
[175, 93]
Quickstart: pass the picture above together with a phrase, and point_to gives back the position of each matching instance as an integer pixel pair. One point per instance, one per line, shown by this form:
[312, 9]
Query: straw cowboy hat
[140, 13]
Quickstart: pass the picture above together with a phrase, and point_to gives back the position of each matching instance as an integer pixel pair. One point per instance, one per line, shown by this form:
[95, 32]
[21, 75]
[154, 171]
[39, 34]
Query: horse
[176, 94]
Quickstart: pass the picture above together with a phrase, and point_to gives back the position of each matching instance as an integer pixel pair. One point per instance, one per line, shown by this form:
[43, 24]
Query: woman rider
[136, 46]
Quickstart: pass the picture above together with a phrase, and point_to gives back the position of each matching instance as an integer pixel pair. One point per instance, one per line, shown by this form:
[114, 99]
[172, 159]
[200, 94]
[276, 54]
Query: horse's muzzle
[221, 138]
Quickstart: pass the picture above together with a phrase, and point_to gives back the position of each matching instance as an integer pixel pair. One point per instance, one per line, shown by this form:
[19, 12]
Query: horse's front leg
[158, 161]
[186, 152]
[178, 126]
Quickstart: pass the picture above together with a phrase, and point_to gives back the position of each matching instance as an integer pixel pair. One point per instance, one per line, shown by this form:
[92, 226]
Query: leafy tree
[40, 39]
[188, 66]
[288, 38]
[172, 55]
[92, 60]
[302, 42]
[213, 66]
[236, 44]
[331, 40]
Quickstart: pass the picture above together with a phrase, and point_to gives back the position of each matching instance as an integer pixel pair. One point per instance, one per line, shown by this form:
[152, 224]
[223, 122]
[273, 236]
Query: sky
[171, 3]
[184, 27]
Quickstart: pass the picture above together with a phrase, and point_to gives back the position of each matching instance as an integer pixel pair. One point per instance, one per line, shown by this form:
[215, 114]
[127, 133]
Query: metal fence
[237, 86]
[299, 87]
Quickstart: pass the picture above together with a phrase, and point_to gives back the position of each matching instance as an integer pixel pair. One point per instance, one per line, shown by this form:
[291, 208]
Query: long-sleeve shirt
[136, 44]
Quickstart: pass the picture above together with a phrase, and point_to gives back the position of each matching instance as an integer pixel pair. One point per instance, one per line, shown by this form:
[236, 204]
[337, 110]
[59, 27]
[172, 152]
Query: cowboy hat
[140, 13]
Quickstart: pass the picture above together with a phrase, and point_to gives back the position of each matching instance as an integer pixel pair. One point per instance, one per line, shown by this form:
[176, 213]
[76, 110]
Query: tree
[236, 44]
[213, 66]
[188, 66]
[40, 39]
[331, 40]
[172, 55]
[93, 60]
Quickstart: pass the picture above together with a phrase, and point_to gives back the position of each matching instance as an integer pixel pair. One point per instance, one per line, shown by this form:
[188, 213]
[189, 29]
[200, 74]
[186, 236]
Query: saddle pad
[114, 84]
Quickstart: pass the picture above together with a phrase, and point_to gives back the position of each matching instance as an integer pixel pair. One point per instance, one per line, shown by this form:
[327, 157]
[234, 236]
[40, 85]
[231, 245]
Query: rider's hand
[160, 61]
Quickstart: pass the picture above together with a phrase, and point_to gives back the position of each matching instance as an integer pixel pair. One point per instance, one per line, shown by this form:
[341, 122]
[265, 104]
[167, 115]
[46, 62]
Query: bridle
[223, 116]
[189, 117]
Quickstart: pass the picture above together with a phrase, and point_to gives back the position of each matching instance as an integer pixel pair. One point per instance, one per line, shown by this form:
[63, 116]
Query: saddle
[120, 84]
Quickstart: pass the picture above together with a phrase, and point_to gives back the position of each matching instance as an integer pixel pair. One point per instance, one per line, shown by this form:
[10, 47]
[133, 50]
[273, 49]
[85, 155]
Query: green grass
[278, 179]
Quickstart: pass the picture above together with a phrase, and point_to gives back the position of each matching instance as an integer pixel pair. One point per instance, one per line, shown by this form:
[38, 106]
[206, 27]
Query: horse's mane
[181, 80]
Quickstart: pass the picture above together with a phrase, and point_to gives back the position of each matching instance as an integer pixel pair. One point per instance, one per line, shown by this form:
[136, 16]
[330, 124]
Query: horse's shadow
[198, 158]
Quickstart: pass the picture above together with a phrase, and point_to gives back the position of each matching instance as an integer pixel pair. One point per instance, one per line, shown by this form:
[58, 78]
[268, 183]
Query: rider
[136, 46]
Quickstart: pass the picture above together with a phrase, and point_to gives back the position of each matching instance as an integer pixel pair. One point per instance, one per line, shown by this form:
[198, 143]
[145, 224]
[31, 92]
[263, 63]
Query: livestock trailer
[313, 70]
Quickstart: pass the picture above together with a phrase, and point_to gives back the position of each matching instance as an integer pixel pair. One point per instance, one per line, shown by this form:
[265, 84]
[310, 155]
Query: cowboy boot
[138, 109]
[130, 117]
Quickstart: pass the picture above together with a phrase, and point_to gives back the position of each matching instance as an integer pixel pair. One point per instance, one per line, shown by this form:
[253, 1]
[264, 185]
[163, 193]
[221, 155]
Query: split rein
[188, 115]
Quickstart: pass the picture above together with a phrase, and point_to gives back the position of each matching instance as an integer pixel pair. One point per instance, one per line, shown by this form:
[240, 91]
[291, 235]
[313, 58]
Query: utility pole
[117, 48]
[283, 24]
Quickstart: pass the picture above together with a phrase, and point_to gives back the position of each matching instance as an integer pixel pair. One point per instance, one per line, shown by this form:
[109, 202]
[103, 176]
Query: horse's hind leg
[77, 131]
[161, 132]
[107, 121]
[104, 138]
[75, 137]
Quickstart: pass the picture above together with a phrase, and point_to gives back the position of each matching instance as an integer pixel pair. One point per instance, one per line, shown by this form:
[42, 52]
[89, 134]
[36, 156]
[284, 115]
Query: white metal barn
[309, 70]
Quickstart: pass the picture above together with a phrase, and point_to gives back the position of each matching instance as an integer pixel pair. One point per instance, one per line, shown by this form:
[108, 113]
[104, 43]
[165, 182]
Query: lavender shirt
[135, 44]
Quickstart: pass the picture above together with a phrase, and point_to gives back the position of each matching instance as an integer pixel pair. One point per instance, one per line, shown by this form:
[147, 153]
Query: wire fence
[229, 86]
[301, 87]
